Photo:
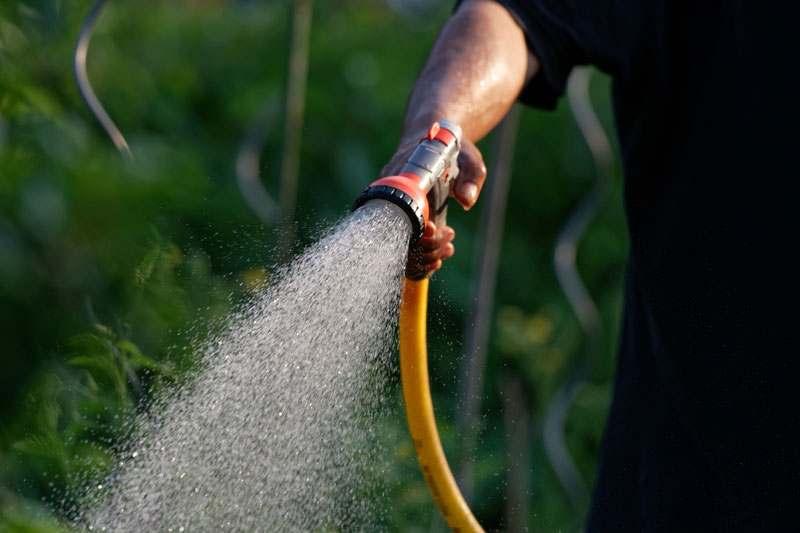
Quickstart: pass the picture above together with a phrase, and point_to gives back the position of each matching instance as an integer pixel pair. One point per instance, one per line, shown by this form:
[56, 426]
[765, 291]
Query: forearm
[474, 74]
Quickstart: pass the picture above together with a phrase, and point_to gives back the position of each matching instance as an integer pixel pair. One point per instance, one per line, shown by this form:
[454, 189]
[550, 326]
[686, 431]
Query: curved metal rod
[85, 86]
[248, 161]
[564, 261]
[248, 175]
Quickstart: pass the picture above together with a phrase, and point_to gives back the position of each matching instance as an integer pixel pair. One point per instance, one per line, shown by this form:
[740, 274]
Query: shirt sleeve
[561, 34]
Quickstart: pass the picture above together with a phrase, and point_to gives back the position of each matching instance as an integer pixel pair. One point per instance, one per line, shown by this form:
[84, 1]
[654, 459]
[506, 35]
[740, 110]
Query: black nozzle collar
[398, 198]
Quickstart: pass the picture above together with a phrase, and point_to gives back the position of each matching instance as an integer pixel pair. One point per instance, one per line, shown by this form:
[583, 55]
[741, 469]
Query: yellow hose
[419, 409]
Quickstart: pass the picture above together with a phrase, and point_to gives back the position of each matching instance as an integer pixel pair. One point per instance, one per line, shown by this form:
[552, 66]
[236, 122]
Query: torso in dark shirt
[702, 434]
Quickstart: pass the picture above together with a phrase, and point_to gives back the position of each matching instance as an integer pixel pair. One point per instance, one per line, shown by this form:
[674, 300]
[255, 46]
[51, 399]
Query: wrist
[416, 126]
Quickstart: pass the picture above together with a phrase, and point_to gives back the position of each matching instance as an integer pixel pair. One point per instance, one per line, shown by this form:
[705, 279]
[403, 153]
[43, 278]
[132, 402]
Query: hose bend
[419, 409]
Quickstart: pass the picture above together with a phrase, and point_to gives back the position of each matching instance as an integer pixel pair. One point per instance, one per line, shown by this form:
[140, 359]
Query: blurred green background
[111, 272]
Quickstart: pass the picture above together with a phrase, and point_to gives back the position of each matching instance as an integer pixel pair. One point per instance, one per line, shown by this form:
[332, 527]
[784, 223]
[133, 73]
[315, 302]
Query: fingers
[431, 250]
[433, 237]
[445, 252]
[471, 177]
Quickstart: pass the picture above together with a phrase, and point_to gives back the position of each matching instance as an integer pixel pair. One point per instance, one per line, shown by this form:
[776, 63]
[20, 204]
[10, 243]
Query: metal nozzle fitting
[423, 184]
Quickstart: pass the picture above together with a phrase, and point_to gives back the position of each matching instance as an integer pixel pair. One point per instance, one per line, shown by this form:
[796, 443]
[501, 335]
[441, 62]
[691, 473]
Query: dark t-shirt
[702, 434]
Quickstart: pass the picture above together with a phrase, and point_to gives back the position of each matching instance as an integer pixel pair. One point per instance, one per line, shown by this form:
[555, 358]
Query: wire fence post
[295, 109]
[517, 422]
[478, 325]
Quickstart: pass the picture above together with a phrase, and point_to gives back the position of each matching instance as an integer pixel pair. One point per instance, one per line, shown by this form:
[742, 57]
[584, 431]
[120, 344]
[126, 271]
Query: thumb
[472, 173]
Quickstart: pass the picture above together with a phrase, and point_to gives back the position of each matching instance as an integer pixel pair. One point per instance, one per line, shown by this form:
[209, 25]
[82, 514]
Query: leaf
[144, 270]
[44, 445]
[94, 364]
[89, 343]
[11, 37]
[135, 355]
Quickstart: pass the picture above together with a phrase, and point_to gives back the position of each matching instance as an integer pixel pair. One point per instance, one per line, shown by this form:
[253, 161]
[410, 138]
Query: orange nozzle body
[428, 172]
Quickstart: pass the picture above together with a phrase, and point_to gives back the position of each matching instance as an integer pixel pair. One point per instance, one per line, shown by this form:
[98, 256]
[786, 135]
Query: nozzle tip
[396, 196]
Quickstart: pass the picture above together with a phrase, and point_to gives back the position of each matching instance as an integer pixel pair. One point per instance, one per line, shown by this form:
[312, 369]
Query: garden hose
[421, 189]
[419, 409]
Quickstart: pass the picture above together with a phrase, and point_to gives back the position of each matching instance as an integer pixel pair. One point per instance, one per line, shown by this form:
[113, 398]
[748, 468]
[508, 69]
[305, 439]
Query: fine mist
[277, 430]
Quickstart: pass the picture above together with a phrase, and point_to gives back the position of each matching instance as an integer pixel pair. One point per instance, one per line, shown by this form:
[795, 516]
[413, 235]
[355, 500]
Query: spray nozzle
[423, 184]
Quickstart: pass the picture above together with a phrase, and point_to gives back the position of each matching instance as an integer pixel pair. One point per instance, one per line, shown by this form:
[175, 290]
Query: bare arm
[475, 72]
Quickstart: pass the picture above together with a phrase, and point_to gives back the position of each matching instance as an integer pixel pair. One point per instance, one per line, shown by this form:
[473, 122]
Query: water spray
[421, 190]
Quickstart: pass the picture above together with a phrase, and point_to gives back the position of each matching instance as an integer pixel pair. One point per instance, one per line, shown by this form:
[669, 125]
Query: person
[701, 434]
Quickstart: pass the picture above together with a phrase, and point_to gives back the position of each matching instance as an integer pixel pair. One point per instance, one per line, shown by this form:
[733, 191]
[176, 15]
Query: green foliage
[112, 272]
